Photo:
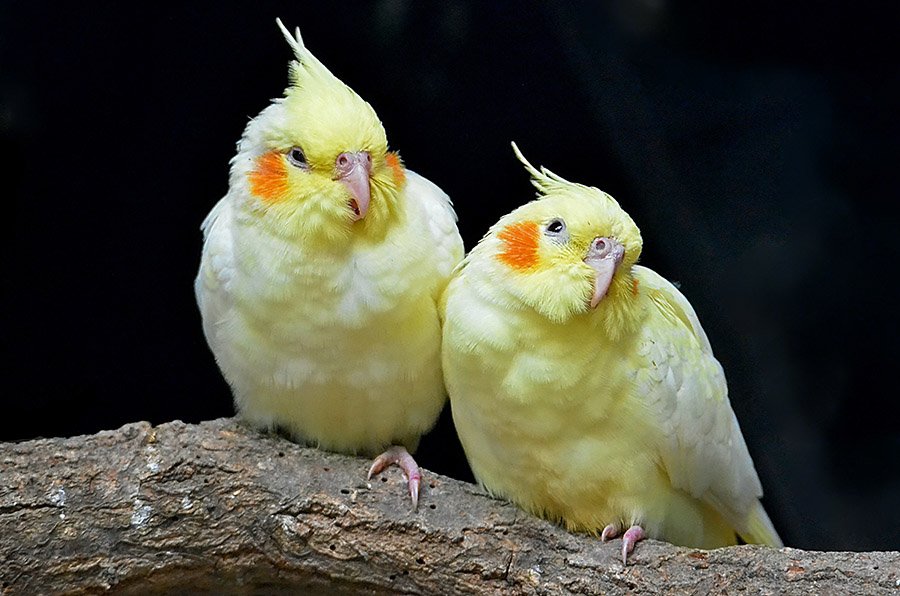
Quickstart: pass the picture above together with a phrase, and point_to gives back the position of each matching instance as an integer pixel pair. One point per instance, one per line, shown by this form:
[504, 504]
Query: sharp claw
[631, 537]
[377, 466]
[609, 532]
[414, 491]
[401, 457]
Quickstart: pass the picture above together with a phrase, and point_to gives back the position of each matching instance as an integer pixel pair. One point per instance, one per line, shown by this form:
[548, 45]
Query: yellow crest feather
[324, 115]
[306, 64]
[544, 180]
[549, 183]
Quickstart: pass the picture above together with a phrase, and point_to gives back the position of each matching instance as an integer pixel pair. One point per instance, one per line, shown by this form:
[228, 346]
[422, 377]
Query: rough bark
[219, 508]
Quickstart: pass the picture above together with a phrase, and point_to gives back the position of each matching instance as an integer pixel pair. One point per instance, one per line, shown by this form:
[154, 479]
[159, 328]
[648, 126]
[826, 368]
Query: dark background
[755, 146]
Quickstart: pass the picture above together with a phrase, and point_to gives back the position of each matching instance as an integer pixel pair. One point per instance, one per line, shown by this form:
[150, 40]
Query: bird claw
[629, 539]
[610, 532]
[632, 536]
[399, 456]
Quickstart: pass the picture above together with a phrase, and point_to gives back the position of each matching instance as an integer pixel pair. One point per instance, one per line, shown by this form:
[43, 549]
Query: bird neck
[386, 213]
[619, 313]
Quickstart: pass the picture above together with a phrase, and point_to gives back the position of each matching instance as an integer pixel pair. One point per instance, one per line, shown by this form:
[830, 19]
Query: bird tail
[759, 528]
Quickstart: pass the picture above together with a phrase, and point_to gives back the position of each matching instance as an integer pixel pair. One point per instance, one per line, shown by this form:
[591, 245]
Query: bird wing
[701, 445]
[212, 287]
[438, 220]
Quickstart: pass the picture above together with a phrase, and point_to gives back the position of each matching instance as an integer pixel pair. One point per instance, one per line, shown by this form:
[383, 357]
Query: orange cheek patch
[634, 287]
[520, 245]
[393, 162]
[269, 180]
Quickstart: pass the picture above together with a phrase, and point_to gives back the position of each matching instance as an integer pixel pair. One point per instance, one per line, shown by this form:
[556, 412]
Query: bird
[582, 385]
[321, 273]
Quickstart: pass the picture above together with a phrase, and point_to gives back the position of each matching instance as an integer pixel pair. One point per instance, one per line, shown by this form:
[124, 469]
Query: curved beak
[604, 256]
[353, 169]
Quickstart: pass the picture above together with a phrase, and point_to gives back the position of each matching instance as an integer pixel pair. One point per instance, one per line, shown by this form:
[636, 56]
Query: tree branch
[219, 508]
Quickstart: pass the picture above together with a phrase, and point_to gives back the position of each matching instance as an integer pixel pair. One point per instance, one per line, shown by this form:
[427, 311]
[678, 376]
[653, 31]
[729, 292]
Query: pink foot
[610, 532]
[631, 537]
[400, 456]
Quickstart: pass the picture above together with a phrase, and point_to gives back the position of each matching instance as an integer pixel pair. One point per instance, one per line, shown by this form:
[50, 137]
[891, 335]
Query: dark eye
[556, 227]
[296, 157]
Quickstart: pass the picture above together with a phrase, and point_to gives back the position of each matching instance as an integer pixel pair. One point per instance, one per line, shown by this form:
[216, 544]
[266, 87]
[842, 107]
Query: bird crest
[306, 67]
[324, 115]
[548, 183]
[544, 180]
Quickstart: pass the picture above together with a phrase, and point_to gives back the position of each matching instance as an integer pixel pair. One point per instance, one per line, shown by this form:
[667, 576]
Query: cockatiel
[321, 272]
[583, 387]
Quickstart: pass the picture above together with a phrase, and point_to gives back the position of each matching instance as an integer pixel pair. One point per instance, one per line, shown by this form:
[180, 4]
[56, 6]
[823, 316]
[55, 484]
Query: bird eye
[296, 157]
[556, 229]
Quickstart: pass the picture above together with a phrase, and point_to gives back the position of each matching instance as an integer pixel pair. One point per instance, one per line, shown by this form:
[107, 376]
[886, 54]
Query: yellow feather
[326, 325]
[760, 529]
[617, 415]
[323, 117]
[324, 112]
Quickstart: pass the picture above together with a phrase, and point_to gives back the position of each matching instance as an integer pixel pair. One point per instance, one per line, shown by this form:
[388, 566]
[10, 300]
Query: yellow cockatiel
[583, 387]
[321, 273]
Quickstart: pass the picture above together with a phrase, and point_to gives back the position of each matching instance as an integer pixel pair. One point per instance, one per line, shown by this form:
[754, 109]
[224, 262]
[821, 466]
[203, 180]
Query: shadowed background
[755, 146]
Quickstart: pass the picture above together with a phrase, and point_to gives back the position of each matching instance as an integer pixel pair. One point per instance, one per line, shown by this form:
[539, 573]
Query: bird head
[316, 163]
[568, 253]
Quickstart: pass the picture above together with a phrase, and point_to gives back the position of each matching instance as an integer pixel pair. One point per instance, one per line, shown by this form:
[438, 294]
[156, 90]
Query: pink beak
[354, 169]
[605, 256]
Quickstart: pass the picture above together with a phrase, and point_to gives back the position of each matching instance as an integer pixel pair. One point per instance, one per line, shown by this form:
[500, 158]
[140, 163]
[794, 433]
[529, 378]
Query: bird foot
[610, 532]
[399, 456]
[632, 536]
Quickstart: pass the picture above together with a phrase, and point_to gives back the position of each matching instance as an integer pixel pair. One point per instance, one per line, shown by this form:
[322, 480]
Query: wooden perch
[219, 508]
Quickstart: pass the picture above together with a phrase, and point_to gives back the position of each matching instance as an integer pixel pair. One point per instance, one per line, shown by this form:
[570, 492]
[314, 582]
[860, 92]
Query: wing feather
[212, 287]
[701, 445]
[438, 219]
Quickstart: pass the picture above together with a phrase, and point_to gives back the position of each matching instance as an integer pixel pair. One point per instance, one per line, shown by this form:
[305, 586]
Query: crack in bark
[19, 507]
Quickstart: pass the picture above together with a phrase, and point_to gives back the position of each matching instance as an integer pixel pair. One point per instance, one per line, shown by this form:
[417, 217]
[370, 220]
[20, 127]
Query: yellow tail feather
[760, 529]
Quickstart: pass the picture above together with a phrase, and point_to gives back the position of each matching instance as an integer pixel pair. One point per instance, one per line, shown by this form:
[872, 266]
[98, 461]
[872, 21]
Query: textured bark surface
[219, 508]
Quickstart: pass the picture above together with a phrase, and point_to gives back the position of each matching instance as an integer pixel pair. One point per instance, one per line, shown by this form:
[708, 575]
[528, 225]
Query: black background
[755, 146]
